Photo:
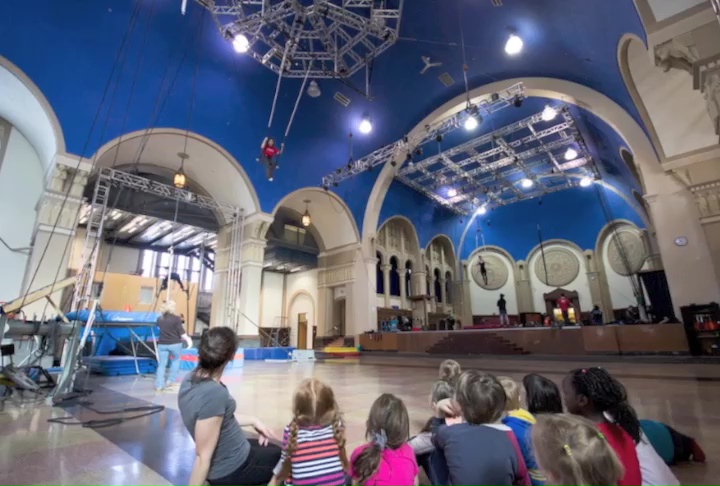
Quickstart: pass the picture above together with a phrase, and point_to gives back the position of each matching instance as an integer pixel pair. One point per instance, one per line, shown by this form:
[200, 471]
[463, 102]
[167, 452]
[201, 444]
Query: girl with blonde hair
[570, 450]
[314, 441]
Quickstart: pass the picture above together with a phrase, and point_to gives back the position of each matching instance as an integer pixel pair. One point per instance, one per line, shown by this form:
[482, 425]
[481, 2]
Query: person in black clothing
[502, 308]
[483, 270]
[172, 335]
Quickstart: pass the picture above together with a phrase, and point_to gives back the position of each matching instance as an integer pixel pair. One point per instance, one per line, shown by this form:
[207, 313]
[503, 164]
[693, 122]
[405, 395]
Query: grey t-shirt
[206, 399]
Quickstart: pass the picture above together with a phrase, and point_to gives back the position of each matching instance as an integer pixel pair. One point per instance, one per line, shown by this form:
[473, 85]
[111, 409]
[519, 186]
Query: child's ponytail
[368, 461]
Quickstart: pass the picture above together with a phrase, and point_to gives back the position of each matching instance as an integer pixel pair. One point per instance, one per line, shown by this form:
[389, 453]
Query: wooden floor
[157, 450]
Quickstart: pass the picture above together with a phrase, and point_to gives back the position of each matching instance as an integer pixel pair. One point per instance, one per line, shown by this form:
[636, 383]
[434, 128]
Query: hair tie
[380, 439]
[567, 449]
[601, 436]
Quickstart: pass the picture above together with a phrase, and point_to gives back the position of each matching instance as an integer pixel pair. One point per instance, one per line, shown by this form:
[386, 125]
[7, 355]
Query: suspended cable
[277, 87]
[297, 103]
[464, 54]
[120, 57]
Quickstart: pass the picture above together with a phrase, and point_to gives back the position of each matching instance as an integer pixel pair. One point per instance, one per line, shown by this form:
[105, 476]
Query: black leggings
[270, 165]
[257, 468]
[682, 444]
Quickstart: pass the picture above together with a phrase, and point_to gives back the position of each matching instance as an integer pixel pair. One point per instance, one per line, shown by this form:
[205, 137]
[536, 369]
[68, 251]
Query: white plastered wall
[272, 299]
[21, 186]
[484, 302]
[302, 298]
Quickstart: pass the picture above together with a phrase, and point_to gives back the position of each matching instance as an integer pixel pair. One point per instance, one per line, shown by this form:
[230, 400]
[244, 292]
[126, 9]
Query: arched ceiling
[68, 51]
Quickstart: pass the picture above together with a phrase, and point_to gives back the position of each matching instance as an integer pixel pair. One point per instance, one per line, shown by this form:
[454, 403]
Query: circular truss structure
[315, 38]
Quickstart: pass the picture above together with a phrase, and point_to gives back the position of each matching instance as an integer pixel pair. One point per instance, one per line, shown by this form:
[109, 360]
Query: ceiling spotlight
[313, 90]
[452, 192]
[241, 44]
[549, 113]
[586, 181]
[526, 183]
[481, 210]
[306, 219]
[514, 45]
[365, 125]
[571, 154]
[471, 123]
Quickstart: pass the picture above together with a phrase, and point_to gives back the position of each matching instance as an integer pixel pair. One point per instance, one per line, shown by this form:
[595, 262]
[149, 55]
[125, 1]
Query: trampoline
[139, 327]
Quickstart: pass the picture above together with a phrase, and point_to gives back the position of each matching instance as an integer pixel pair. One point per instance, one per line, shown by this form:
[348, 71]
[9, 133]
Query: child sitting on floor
[472, 446]
[671, 445]
[521, 422]
[450, 371]
[314, 442]
[571, 450]
[422, 443]
[387, 459]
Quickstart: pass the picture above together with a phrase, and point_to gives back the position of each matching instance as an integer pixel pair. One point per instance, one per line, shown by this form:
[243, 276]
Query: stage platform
[607, 340]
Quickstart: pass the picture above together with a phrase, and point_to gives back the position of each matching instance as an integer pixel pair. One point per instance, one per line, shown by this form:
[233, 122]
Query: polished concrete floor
[158, 450]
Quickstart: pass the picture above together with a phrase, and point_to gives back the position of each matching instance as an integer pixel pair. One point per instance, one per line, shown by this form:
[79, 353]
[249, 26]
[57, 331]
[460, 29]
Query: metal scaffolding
[490, 169]
[325, 38]
[407, 145]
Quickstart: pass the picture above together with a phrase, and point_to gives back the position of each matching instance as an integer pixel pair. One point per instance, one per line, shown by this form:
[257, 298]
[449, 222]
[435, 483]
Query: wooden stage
[606, 340]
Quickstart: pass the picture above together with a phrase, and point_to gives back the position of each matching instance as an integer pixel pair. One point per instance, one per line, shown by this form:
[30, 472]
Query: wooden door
[302, 331]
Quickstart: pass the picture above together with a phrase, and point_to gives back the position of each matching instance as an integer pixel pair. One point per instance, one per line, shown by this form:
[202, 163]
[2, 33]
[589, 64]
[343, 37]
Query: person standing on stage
[502, 309]
[564, 304]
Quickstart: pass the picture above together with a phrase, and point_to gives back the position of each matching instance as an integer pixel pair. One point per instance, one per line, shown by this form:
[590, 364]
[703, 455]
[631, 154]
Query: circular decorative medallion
[562, 267]
[497, 272]
[626, 253]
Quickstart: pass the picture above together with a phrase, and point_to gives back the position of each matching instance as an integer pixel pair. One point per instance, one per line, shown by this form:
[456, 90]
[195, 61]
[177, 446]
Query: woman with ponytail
[314, 441]
[597, 396]
[386, 459]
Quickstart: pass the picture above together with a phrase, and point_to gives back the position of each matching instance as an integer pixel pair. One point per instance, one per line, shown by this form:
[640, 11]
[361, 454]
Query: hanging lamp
[179, 179]
[306, 219]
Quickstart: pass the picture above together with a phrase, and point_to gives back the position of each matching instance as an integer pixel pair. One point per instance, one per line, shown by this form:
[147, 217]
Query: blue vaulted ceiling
[68, 49]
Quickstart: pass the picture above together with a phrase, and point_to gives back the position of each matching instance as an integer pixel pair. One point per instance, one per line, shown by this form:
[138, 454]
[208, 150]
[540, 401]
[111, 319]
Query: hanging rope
[464, 54]
[277, 87]
[297, 103]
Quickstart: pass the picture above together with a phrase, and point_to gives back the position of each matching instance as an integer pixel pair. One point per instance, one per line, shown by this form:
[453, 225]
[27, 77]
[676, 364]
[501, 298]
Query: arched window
[438, 288]
[394, 277]
[408, 278]
[448, 288]
[379, 280]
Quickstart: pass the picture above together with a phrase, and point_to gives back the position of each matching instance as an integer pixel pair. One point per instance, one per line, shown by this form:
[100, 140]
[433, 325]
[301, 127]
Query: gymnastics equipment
[321, 39]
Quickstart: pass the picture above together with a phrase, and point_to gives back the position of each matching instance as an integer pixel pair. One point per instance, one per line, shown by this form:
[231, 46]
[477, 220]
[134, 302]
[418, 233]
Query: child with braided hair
[314, 441]
[387, 459]
[571, 450]
[597, 396]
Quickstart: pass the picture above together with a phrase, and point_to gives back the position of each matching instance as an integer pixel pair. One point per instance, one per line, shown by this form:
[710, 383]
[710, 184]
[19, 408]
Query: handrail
[25, 250]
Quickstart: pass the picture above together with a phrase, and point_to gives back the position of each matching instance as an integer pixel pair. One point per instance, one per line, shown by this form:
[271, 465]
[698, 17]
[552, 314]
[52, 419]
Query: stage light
[481, 210]
[518, 101]
[452, 192]
[549, 113]
[241, 44]
[306, 219]
[586, 181]
[571, 154]
[514, 45]
[526, 183]
[471, 123]
[365, 125]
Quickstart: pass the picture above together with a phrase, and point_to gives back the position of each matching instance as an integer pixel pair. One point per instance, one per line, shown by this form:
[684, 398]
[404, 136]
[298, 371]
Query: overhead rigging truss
[323, 38]
[488, 170]
[407, 145]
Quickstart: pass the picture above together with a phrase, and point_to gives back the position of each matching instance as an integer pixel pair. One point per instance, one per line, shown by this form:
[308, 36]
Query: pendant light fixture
[179, 178]
[306, 219]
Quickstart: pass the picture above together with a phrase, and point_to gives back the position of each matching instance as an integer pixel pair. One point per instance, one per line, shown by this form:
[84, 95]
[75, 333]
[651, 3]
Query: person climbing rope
[483, 270]
[269, 155]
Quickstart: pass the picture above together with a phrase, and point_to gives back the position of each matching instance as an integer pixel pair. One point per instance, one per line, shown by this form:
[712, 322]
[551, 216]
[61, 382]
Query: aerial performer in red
[269, 154]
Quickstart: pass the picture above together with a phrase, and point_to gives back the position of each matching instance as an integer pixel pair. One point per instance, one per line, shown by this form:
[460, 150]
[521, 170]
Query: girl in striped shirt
[314, 442]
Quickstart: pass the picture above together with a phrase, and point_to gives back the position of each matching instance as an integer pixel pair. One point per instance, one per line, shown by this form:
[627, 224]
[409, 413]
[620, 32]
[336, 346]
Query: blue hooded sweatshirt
[521, 422]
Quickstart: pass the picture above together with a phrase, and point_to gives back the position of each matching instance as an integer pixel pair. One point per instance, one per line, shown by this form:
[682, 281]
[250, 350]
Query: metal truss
[485, 170]
[321, 39]
[407, 145]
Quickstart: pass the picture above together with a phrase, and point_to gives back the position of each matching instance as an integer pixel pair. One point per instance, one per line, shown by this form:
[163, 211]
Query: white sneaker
[270, 179]
[172, 388]
[158, 390]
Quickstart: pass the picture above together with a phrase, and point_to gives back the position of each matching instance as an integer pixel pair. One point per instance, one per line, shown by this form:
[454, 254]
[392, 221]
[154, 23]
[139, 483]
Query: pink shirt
[397, 467]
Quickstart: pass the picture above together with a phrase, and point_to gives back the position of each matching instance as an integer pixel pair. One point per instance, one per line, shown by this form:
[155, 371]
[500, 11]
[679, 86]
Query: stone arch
[483, 298]
[210, 167]
[606, 109]
[25, 107]
[662, 95]
[331, 217]
[409, 227]
[444, 243]
[312, 320]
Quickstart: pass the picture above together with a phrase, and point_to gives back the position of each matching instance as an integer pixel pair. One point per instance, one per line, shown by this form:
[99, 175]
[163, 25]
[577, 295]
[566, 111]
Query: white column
[363, 297]
[689, 269]
[249, 300]
[53, 243]
[325, 311]
[443, 294]
[403, 289]
[386, 283]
